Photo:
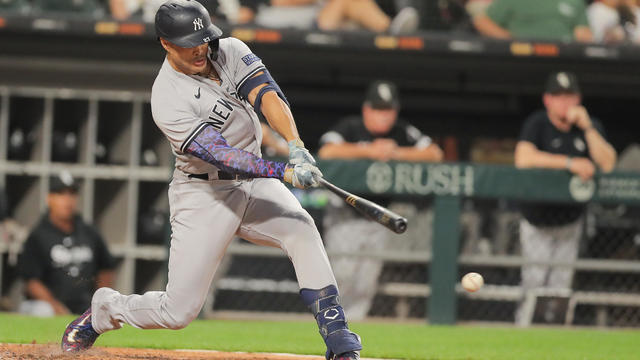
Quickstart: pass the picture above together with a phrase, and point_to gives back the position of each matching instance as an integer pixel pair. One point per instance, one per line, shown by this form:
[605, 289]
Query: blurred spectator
[378, 135]
[477, 7]
[80, 7]
[604, 21]
[299, 14]
[327, 15]
[563, 20]
[338, 14]
[18, 6]
[629, 11]
[563, 136]
[125, 9]
[64, 259]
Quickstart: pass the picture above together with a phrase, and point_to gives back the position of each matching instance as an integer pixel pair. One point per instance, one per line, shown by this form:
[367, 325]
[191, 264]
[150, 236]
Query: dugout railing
[449, 252]
[120, 189]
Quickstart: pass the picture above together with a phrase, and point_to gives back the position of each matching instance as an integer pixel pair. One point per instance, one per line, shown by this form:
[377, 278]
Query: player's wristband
[568, 164]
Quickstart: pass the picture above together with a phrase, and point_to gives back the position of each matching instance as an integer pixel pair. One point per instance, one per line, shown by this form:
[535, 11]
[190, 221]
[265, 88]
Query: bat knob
[400, 225]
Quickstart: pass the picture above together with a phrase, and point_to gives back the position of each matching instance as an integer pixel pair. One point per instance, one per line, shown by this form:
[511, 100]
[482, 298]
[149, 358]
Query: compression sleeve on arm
[209, 145]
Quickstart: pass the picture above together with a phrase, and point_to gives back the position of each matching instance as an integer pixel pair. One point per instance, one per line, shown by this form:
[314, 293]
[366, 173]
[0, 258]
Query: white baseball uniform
[207, 214]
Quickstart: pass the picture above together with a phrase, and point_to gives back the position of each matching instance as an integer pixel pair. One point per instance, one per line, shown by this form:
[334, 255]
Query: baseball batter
[207, 99]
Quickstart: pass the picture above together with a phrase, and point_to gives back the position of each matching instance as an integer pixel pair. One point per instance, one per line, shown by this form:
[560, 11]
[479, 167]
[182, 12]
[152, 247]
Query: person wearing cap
[64, 259]
[378, 134]
[563, 136]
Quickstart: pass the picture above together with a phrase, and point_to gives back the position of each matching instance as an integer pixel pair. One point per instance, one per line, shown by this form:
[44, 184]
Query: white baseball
[472, 282]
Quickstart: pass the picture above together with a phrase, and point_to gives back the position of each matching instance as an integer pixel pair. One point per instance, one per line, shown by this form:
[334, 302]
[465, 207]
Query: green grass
[380, 340]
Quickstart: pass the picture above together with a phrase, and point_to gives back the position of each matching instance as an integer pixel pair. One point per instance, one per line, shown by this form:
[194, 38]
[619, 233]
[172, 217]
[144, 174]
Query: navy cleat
[79, 334]
[351, 355]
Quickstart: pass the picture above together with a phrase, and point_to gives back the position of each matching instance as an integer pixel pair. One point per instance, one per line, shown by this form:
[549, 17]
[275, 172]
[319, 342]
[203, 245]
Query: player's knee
[182, 316]
[180, 320]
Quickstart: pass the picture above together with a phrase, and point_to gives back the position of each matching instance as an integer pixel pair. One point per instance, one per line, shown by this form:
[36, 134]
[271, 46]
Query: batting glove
[298, 154]
[302, 176]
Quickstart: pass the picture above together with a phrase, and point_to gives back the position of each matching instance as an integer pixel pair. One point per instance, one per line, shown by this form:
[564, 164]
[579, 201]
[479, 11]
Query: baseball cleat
[79, 334]
[351, 355]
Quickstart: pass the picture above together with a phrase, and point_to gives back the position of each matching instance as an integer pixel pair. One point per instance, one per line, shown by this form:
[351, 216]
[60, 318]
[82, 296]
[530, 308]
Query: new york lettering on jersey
[220, 113]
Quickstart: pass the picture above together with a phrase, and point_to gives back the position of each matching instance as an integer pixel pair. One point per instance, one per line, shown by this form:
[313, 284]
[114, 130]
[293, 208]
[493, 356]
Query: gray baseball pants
[205, 217]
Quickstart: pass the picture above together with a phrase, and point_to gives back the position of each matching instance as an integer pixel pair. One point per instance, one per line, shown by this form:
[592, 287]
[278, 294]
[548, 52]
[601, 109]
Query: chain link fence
[388, 277]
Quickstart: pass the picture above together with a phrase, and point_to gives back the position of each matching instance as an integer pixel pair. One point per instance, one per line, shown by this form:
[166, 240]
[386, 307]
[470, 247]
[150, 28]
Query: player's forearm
[209, 145]
[540, 159]
[432, 153]
[488, 27]
[279, 116]
[344, 151]
[602, 153]
[38, 291]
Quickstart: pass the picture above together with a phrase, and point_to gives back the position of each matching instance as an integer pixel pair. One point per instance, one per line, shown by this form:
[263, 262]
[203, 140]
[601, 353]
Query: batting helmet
[185, 23]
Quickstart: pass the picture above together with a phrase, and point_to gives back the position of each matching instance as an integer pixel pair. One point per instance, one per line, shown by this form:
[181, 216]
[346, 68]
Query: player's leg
[274, 217]
[357, 276]
[204, 218]
[566, 250]
[536, 245]
[332, 15]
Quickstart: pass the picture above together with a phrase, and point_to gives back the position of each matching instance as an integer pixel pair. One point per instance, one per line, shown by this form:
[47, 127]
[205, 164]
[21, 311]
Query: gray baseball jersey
[207, 214]
[180, 103]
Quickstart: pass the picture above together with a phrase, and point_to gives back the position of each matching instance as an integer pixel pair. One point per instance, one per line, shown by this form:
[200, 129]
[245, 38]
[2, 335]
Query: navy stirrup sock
[325, 305]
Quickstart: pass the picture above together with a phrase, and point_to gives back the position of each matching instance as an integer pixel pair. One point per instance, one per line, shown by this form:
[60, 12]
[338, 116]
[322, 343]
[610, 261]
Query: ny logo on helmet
[197, 24]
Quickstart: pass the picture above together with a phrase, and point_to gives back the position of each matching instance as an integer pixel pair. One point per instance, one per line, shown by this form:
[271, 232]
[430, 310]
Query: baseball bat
[373, 211]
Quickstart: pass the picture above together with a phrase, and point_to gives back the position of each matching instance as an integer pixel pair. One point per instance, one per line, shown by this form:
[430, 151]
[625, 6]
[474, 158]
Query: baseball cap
[382, 95]
[562, 82]
[61, 182]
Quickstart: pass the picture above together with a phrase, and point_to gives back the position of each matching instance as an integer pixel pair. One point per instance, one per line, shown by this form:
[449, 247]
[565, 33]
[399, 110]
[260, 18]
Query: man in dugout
[377, 134]
[562, 136]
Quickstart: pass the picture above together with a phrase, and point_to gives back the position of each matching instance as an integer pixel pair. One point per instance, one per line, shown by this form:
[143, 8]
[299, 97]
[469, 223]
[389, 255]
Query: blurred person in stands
[557, 20]
[298, 14]
[604, 20]
[327, 15]
[562, 136]
[125, 9]
[377, 134]
[93, 8]
[477, 7]
[15, 6]
[64, 259]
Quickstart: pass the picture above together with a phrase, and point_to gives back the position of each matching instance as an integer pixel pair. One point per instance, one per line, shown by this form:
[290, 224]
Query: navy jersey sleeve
[414, 137]
[31, 264]
[531, 130]
[341, 133]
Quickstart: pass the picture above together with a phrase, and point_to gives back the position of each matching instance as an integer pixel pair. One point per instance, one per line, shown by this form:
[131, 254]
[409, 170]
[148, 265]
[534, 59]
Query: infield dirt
[52, 351]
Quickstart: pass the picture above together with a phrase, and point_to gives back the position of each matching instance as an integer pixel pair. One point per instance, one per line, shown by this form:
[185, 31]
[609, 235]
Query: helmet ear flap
[214, 46]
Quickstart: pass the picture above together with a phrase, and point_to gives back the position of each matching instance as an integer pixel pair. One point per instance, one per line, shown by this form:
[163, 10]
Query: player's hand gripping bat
[375, 212]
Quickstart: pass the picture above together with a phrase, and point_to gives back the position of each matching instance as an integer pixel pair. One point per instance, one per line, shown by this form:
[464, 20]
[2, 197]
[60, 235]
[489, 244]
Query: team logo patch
[197, 24]
[250, 59]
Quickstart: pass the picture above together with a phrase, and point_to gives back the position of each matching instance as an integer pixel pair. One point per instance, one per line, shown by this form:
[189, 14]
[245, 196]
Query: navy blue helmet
[185, 23]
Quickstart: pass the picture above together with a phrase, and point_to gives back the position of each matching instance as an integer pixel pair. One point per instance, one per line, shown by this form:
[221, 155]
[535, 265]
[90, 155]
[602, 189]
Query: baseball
[472, 282]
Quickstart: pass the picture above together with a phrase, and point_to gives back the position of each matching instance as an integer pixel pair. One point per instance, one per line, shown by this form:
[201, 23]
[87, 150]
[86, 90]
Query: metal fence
[390, 277]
